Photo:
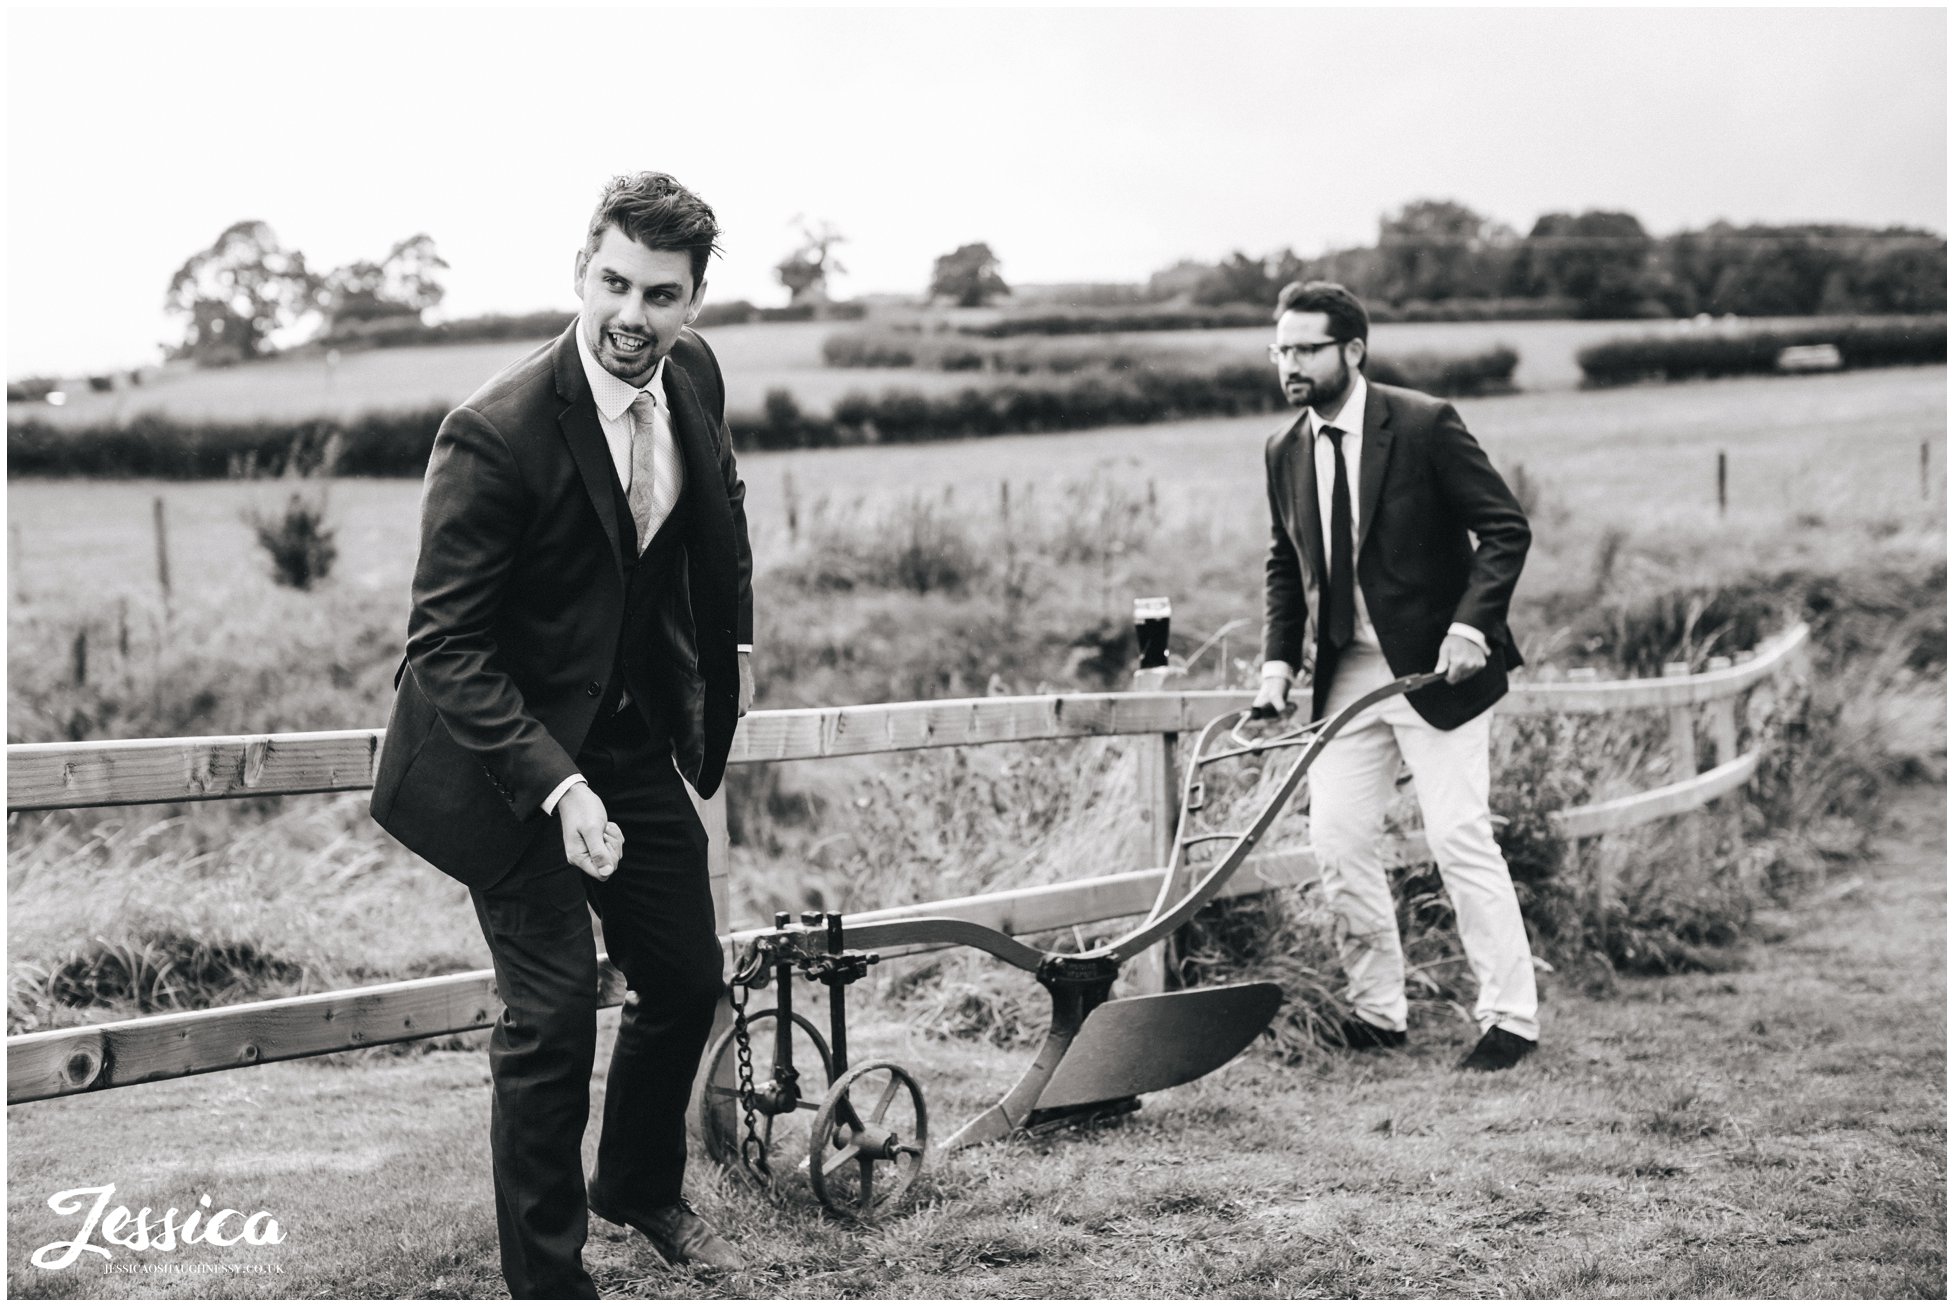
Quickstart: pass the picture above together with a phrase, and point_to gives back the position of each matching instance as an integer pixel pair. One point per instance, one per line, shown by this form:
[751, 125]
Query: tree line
[1600, 264]
[233, 296]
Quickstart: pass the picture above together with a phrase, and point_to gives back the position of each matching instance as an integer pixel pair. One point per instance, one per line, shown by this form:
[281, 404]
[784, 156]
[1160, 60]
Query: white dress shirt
[1350, 421]
[614, 397]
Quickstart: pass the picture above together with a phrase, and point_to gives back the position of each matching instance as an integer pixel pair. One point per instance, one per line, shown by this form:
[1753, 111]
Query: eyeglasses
[1297, 353]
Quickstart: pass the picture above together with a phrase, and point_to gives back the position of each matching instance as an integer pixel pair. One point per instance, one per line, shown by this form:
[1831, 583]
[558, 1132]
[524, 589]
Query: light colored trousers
[1350, 786]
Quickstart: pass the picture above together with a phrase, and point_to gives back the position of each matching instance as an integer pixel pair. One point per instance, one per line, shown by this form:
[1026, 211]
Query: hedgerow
[397, 443]
[1716, 353]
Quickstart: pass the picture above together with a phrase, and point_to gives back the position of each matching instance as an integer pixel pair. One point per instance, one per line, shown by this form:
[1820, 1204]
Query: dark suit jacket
[1424, 483]
[519, 598]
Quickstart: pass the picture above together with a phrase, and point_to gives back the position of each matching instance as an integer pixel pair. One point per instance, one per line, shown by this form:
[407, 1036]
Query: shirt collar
[612, 393]
[1350, 418]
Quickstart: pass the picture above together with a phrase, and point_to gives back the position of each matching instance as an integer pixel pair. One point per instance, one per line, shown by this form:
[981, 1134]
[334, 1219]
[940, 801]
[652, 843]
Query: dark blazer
[519, 598]
[1424, 483]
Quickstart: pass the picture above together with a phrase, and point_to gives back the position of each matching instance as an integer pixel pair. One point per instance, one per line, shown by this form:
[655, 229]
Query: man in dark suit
[1376, 494]
[582, 615]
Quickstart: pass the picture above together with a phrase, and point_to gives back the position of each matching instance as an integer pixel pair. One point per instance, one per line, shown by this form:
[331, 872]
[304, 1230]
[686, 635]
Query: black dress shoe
[680, 1235]
[1497, 1050]
[1360, 1035]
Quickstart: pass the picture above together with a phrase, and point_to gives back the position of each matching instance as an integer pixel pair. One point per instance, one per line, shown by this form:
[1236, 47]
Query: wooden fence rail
[55, 1063]
[99, 773]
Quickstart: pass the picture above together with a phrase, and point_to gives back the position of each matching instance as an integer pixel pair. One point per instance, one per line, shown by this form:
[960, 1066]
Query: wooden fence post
[13, 563]
[1723, 719]
[719, 856]
[1594, 849]
[1726, 812]
[719, 867]
[162, 552]
[1682, 753]
[1682, 731]
[1157, 785]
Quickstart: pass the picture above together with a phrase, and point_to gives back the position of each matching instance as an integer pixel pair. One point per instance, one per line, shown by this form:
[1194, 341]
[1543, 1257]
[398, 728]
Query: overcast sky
[1095, 144]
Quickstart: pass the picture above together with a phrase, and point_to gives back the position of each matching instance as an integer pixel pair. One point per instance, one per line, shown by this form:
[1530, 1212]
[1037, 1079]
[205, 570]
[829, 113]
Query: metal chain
[753, 1149]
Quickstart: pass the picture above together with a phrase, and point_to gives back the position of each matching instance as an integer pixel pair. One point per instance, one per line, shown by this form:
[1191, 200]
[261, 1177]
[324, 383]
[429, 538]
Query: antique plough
[779, 1101]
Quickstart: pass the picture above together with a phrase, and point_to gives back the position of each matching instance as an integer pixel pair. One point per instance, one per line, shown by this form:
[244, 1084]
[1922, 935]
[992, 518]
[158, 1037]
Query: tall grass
[123, 912]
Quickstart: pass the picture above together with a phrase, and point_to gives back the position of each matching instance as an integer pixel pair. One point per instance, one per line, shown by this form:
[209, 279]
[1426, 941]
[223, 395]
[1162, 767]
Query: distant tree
[967, 276]
[405, 284]
[1440, 250]
[1359, 270]
[236, 293]
[1180, 279]
[1239, 279]
[1905, 276]
[1761, 270]
[805, 272]
[412, 273]
[1598, 259]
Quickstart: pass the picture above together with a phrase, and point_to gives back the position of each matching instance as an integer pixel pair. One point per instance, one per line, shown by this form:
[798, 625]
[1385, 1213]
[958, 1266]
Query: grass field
[756, 357]
[1641, 461]
[1742, 1134]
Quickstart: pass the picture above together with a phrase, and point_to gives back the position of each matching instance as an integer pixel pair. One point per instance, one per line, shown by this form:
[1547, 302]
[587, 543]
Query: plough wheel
[869, 1140]
[782, 1110]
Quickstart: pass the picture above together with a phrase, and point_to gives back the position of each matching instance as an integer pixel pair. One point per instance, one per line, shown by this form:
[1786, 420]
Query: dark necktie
[1340, 606]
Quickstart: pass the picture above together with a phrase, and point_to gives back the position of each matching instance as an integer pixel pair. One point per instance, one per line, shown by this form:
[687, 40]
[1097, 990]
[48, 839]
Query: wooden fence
[55, 1063]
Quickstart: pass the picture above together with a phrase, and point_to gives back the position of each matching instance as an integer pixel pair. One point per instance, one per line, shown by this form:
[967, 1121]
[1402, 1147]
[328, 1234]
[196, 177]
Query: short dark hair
[658, 213]
[1345, 311]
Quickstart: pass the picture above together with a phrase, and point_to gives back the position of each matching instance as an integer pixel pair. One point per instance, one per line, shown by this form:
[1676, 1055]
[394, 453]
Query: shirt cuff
[1471, 633]
[556, 795]
[744, 648]
[1284, 670]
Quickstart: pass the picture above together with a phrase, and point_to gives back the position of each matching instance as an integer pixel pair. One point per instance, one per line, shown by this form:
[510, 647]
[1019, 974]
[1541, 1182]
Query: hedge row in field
[1714, 353]
[1088, 323]
[1489, 371]
[950, 352]
[398, 443]
[150, 445]
[1083, 322]
[390, 332]
[1089, 399]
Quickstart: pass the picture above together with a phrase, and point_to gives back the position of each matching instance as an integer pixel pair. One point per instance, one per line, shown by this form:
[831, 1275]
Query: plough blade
[1142, 1045]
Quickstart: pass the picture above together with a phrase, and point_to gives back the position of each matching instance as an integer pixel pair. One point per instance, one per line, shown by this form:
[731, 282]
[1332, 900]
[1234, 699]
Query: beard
[1321, 395]
[633, 366]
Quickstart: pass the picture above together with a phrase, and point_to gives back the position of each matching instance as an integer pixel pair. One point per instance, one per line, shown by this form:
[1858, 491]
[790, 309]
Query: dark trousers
[659, 930]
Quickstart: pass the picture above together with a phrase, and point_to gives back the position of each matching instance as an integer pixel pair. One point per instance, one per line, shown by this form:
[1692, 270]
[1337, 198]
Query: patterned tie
[1340, 606]
[655, 471]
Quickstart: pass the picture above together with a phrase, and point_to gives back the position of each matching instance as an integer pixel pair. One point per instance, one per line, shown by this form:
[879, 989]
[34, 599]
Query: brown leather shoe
[682, 1235]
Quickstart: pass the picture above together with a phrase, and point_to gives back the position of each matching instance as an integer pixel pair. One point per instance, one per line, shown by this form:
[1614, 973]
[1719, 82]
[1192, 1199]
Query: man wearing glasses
[1372, 575]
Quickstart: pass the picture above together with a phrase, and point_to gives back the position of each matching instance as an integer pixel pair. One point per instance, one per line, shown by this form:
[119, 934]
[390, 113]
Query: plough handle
[956, 931]
[1163, 921]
